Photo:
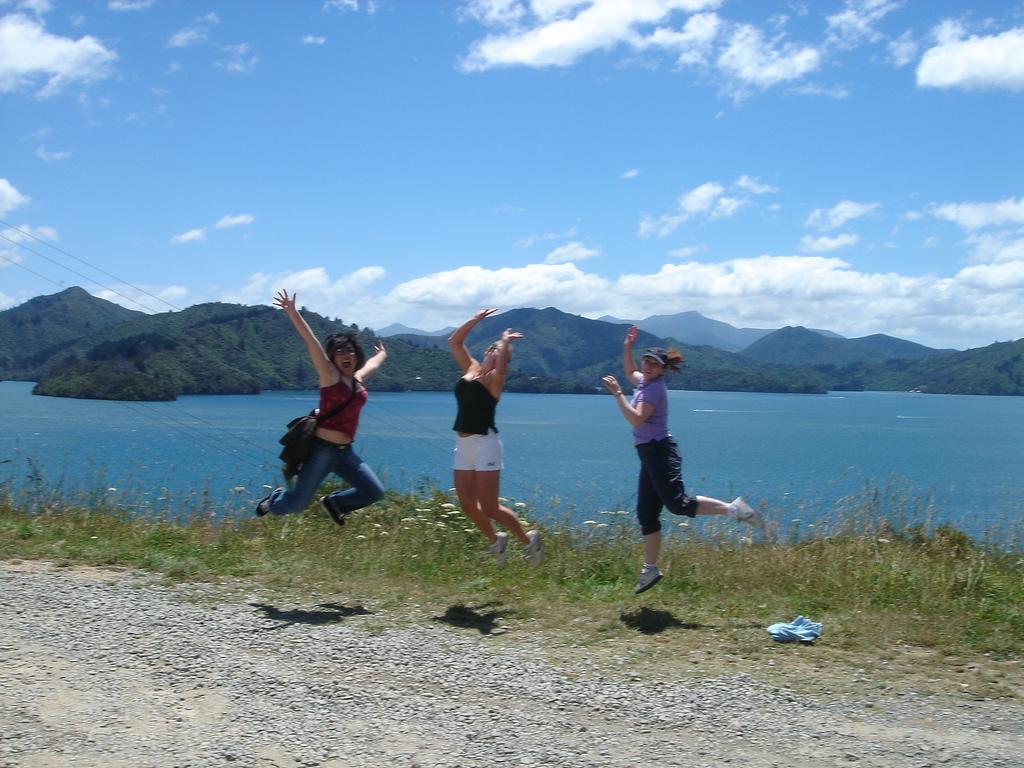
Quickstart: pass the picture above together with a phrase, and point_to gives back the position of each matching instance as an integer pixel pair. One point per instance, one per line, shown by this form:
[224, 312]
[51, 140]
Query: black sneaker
[336, 514]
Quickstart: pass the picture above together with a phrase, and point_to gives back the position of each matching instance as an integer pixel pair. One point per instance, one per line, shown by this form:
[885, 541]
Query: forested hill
[41, 327]
[76, 345]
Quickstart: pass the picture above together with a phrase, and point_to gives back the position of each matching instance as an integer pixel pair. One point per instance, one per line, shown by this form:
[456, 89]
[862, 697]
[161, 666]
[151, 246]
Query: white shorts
[482, 453]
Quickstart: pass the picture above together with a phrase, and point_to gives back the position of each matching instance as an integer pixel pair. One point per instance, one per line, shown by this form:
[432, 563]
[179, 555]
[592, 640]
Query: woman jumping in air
[342, 368]
[661, 479]
[478, 449]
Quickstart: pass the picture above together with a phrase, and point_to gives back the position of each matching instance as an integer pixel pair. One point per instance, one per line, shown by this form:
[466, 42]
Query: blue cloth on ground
[799, 629]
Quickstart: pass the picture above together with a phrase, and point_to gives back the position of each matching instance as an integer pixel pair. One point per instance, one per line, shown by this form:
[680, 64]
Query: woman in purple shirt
[661, 479]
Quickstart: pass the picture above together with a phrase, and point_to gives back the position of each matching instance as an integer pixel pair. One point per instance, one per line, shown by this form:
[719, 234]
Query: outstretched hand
[284, 301]
[480, 314]
[631, 335]
[509, 335]
[611, 384]
[378, 348]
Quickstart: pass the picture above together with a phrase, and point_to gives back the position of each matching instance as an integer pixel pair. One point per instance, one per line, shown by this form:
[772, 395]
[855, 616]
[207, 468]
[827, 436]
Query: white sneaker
[649, 576]
[499, 548]
[747, 514]
[534, 551]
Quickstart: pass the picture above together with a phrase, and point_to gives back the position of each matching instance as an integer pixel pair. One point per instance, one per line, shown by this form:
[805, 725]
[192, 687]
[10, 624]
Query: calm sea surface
[960, 458]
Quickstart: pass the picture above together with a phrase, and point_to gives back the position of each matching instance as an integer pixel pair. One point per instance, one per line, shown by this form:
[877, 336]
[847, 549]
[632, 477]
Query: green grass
[875, 588]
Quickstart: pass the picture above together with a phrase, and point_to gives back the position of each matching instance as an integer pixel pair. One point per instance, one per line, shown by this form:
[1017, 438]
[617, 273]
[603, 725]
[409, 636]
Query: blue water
[566, 456]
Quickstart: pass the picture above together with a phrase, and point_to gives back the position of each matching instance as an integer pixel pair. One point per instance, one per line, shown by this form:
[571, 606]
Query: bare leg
[709, 506]
[487, 484]
[652, 548]
[466, 490]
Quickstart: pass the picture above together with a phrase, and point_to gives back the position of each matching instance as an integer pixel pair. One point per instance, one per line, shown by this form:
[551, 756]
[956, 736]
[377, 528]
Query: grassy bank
[878, 591]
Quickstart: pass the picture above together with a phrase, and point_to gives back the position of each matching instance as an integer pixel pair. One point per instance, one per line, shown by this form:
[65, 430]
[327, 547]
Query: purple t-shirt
[653, 393]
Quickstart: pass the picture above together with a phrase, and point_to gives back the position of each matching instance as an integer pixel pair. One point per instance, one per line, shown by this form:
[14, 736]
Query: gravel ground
[111, 669]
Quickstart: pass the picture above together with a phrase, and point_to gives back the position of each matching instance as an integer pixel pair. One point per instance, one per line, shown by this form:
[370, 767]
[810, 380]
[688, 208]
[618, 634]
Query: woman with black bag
[342, 368]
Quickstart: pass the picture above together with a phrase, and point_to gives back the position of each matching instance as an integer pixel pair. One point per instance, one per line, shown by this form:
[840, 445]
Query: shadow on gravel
[651, 622]
[324, 613]
[471, 618]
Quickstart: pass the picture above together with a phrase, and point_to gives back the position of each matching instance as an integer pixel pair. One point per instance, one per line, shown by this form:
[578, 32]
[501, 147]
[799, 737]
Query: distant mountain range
[76, 345]
[696, 329]
[396, 329]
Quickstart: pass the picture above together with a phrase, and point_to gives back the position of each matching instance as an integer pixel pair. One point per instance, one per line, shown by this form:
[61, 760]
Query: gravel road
[113, 669]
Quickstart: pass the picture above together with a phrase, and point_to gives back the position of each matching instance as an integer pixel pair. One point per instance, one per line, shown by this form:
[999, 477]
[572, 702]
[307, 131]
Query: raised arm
[371, 366]
[495, 380]
[457, 341]
[628, 363]
[326, 371]
[634, 415]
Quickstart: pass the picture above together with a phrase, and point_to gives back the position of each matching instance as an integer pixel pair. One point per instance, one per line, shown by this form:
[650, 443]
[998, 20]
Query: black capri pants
[661, 484]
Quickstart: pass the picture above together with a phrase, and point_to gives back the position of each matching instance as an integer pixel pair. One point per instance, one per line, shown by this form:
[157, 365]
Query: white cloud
[571, 252]
[314, 40]
[532, 240]
[237, 58]
[38, 7]
[997, 247]
[825, 244]
[687, 251]
[50, 157]
[341, 5]
[903, 49]
[192, 236]
[560, 38]
[996, 61]
[977, 215]
[24, 234]
[6, 302]
[835, 217]
[755, 186]
[707, 199]
[235, 220]
[815, 89]
[693, 44]
[10, 198]
[198, 33]
[855, 24]
[140, 298]
[979, 305]
[494, 13]
[727, 206]
[753, 61]
[129, 5]
[29, 54]
[632, 173]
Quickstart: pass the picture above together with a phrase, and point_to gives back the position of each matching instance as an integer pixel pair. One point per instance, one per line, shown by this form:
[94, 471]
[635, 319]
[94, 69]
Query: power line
[83, 261]
[76, 272]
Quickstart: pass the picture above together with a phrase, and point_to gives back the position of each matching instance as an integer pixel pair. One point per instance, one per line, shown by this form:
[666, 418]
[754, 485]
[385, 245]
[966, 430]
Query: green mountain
[798, 346]
[579, 350]
[41, 327]
[214, 349]
[75, 345]
[997, 369]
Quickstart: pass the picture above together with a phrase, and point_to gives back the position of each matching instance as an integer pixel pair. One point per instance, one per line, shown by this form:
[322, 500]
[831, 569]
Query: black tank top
[476, 408]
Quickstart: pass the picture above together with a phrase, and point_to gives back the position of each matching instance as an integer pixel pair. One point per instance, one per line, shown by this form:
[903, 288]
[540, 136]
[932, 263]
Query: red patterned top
[347, 420]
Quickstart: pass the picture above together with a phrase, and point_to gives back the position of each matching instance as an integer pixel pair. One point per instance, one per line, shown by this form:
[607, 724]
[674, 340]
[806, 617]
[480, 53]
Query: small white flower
[601, 525]
[112, 490]
[520, 504]
[360, 536]
[447, 505]
[590, 522]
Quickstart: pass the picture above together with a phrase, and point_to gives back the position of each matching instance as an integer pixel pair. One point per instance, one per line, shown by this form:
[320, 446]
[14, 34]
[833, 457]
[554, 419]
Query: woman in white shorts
[478, 452]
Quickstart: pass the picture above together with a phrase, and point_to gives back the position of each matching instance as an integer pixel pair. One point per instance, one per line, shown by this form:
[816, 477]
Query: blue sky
[855, 165]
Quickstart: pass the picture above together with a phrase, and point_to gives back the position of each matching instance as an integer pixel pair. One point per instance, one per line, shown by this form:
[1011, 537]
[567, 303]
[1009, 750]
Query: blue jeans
[323, 459]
